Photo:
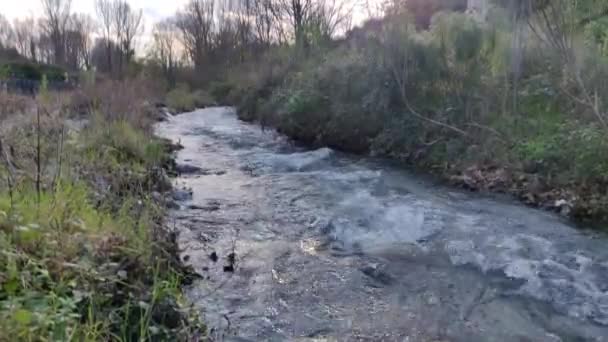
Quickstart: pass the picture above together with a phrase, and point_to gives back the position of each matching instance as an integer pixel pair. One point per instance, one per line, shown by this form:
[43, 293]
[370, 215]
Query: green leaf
[23, 317]
[11, 286]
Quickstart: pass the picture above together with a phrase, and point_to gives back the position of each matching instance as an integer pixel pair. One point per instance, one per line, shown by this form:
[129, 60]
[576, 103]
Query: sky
[154, 10]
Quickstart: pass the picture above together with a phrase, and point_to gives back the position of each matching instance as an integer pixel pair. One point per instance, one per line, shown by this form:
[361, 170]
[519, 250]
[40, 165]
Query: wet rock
[167, 312]
[209, 172]
[231, 259]
[213, 256]
[377, 274]
[563, 206]
[156, 196]
[209, 207]
[171, 204]
[185, 169]
[182, 195]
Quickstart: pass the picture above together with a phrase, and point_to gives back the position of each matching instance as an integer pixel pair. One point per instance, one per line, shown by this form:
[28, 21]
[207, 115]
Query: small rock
[209, 172]
[564, 207]
[187, 169]
[171, 204]
[156, 196]
[210, 207]
[213, 257]
[182, 195]
[377, 274]
[231, 258]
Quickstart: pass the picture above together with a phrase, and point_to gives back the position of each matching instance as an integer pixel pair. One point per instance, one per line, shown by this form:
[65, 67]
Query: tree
[120, 26]
[6, 33]
[83, 26]
[164, 48]
[128, 24]
[195, 23]
[26, 38]
[103, 8]
[265, 24]
[54, 24]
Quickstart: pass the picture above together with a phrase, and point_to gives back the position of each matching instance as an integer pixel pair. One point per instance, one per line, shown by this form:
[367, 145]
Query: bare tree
[26, 38]
[164, 49]
[103, 8]
[120, 25]
[54, 24]
[99, 55]
[264, 22]
[45, 50]
[307, 18]
[84, 27]
[196, 23]
[127, 25]
[6, 33]
[331, 17]
[296, 13]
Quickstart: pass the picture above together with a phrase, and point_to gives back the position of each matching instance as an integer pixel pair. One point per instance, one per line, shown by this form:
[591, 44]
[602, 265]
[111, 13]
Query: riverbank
[299, 244]
[86, 251]
[579, 199]
[428, 100]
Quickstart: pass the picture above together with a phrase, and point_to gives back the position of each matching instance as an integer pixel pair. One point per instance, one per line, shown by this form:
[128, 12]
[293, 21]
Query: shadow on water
[311, 245]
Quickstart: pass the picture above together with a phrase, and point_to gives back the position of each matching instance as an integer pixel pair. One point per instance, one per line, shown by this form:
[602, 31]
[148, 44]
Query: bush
[182, 99]
[221, 90]
[572, 151]
[31, 71]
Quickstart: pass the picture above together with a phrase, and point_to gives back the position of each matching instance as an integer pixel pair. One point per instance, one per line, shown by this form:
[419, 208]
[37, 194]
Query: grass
[182, 99]
[87, 257]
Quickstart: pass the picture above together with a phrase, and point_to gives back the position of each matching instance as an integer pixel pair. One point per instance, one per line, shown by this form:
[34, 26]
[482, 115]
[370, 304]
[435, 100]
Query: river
[301, 245]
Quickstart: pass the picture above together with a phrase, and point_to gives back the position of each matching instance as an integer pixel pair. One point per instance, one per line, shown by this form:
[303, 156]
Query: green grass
[87, 259]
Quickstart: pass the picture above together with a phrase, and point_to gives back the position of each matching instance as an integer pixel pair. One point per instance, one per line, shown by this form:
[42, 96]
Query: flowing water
[299, 245]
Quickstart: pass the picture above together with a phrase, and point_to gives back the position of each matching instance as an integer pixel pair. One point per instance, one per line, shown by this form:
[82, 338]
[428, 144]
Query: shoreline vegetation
[456, 99]
[86, 253]
[509, 98]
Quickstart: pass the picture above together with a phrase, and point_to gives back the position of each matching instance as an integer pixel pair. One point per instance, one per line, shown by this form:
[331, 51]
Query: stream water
[300, 245]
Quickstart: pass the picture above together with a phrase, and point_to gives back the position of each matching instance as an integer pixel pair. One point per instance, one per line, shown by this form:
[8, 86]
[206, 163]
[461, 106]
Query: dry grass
[14, 104]
[85, 255]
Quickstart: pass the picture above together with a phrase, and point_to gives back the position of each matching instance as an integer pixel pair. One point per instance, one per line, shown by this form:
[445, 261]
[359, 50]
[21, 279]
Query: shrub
[221, 90]
[571, 151]
[182, 99]
[31, 71]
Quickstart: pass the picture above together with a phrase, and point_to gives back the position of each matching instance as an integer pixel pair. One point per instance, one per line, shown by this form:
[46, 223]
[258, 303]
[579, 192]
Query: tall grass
[84, 255]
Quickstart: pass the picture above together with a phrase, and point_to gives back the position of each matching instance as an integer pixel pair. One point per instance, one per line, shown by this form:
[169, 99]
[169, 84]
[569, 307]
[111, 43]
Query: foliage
[570, 149]
[31, 71]
[458, 96]
[86, 258]
[182, 99]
